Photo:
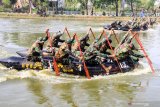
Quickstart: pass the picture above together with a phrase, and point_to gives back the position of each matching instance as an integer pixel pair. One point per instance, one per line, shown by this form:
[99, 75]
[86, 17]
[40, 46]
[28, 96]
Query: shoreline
[66, 17]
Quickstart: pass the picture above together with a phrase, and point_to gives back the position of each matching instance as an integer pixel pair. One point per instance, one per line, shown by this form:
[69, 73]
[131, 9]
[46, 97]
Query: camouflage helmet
[69, 41]
[40, 40]
[104, 40]
[85, 38]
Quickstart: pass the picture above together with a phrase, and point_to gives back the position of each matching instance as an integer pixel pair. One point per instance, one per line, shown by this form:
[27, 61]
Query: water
[31, 88]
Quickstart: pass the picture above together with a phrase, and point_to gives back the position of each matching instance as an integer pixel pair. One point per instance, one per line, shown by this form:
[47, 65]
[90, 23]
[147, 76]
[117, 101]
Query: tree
[112, 2]
[12, 2]
[131, 2]
[116, 3]
[84, 5]
[0, 2]
[30, 6]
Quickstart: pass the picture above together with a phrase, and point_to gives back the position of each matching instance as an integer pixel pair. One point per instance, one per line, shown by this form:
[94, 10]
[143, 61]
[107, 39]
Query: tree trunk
[30, 6]
[86, 6]
[155, 11]
[132, 7]
[0, 2]
[116, 2]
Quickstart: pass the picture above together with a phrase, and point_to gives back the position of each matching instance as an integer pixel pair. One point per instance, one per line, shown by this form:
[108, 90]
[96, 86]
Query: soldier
[54, 40]
[83, 43]
[128, 50]
[64, 50]
[35, 52]
[103, 46]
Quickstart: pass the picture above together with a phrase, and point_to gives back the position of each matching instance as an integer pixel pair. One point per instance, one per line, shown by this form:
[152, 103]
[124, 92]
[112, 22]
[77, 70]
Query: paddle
[105, 35]
[123, 41]
[66, 30]
[115, 35]
[54, 60]
[81, 54]
[144, 52]
[92, 33]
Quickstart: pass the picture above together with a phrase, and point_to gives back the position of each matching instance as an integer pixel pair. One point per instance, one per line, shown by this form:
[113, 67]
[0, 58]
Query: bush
[1, 9]
[82, 12]
[123, 13]
[104, 13]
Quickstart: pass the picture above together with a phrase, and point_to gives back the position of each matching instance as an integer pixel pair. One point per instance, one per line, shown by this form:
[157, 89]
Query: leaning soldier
[64, 50]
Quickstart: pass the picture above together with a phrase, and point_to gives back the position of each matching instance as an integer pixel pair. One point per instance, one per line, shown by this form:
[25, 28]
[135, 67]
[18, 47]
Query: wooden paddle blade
[105, 35]
[115, 36]
[67, 32]
[145, 54]
[85, 67]
[86, 71]
[56, 67]
[92, 33]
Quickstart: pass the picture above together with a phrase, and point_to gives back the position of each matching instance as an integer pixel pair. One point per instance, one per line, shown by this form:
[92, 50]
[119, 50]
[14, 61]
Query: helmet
[69, 41]
[105, 40]
[40, 40]
[85, 38]
[58, 34]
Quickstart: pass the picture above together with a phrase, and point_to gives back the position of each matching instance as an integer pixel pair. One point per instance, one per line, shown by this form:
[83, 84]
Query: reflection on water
[66, 93]
[36, 87]
[117, 91]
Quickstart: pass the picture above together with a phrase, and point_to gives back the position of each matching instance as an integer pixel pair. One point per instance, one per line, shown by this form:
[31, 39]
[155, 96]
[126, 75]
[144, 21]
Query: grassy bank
[65, 17]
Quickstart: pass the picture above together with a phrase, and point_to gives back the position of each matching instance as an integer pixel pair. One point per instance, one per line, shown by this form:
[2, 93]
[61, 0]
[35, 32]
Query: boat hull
[74, 68]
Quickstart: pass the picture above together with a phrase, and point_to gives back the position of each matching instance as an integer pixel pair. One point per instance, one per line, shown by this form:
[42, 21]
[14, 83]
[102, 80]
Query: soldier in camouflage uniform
[35, 52]
[128, 50]
[54, 40]
[64, 50]
[83, 43]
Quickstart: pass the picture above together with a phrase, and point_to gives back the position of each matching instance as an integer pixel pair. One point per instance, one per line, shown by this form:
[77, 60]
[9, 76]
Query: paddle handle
[115, 36]
[85, 67]
[67, 32]
[145, 54]
[105, 35]
[54, 60]
[92, 33]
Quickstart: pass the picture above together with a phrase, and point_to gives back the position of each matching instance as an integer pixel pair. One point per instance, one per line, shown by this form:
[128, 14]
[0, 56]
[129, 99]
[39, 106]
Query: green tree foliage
[6, 2]
[111, 5]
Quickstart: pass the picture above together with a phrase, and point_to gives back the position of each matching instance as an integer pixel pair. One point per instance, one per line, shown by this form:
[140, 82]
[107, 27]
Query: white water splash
[50, 77]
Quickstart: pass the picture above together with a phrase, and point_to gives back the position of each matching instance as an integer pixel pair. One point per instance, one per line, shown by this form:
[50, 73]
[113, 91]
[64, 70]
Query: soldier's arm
[60, 40]
[87, 44]
[137, 54]
[45, 38]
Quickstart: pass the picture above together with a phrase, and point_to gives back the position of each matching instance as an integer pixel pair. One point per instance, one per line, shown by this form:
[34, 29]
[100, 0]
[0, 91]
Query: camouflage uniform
[96, 51]
[103, 46]
[64, 50]
[54, 40]
[128, 50]
[83, 43]
[35, 52]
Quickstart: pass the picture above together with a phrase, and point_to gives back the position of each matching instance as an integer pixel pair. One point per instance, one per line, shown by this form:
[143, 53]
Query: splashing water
[48, 76]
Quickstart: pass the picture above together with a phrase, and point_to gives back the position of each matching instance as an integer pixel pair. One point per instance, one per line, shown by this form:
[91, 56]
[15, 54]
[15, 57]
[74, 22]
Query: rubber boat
[74, 67]
[109, 27]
